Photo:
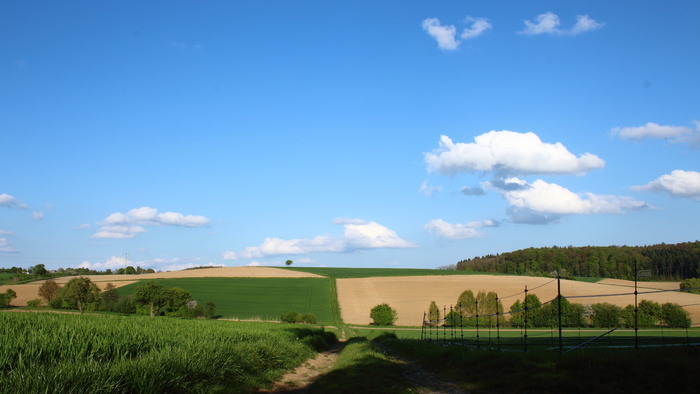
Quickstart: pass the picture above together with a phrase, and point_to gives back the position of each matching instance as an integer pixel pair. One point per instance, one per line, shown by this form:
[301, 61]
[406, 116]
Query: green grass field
[6, 278]
[68, 353]
[256, 298]
[343, 273]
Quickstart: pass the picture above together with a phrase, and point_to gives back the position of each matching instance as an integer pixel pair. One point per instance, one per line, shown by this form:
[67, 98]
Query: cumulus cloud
[508, 153]
[444, 229]
[541, 202]
[9, 201]
[428, 191]
[548, 23]
[122, 226]
[446, 35]
[176, 264]
[678, 183]
[6, 232]
[676, 134]
[357, 235]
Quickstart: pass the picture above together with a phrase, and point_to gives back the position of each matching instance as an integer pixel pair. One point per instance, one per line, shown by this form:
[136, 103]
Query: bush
[35, 303]
[296, 317]
[691, 285]
[7, 297]
[606, 315]
[383, 315]
[289, 317]
[674, 316]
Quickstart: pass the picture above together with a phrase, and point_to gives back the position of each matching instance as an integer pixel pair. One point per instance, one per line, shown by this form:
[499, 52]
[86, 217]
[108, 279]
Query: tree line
[39, 271]
[673, 262]
[486, 310]
[151, 298]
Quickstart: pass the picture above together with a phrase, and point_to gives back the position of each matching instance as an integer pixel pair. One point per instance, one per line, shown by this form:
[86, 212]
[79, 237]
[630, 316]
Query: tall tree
[110, 297]
[49, 290]
[288, 262]
[152, 294]
[433, 314]
[82, 291]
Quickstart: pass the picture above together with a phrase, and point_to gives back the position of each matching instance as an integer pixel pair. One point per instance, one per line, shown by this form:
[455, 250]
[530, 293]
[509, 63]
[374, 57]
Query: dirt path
[304, 375]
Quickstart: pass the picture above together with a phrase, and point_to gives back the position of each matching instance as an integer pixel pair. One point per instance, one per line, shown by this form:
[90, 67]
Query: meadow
[67, 353]
[256, 298]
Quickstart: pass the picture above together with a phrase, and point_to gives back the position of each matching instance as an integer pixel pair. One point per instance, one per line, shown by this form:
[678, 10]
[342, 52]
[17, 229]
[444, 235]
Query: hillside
[672, 262]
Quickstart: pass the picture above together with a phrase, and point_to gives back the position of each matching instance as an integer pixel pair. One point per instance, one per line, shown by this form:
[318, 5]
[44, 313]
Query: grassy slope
[265, 298]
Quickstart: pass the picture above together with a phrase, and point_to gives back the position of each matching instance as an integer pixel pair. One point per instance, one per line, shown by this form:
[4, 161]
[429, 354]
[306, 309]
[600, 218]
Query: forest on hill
[673, 262]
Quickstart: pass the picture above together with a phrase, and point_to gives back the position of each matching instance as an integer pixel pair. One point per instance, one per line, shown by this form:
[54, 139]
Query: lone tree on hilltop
[383, 315]
[288, 262]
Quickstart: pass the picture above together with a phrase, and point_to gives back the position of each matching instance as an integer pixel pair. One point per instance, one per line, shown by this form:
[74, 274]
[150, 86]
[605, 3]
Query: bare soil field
[30, 291]
[411, 296]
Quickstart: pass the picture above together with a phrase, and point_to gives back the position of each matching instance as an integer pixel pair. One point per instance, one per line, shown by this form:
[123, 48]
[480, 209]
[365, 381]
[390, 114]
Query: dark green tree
[80, 292]
[110, 297]
[383, 315]
[288, 262]
[674, 316]
[7, 297]
[152, 294]
[606, 315]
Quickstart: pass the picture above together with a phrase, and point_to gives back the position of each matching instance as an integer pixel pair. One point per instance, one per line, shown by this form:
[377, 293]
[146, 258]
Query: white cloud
[120, 226]
[428, 191]
[444, 229]
[6, 232]
[654, 130]
[446, 35]
[176, 264]
[82, 227]
[508, 153]
[477, 28]
[8, 201]
[5, 246]
[584, 24]
[548, 23]
[38, 215]
[357, 235]
[678, 183]
[543, 202]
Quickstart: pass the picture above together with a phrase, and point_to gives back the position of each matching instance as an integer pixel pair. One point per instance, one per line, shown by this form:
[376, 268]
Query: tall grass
[47, 353]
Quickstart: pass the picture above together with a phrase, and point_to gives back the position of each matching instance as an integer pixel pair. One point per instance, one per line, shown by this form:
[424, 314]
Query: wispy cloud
[678, 183]
[123, 226]
[176, 264]
[444, 229]
[5, 246]
[548, 23]
[428, 191]
[446, 36]
[357, 235]
[38, 215]
[11, 202]
[508, 153]
[676, 134]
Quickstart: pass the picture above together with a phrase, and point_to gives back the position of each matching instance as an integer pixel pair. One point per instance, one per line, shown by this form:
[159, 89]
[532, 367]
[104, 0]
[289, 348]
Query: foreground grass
[610, 370]
[257, 298]
[45, 352]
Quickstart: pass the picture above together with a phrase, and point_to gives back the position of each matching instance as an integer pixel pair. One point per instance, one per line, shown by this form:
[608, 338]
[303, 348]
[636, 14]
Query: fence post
[422, 330]
[525, 325]
[559, 307]
[476, 303]
[498, 326]
[444, 328]
[461, 321]
[636, 340]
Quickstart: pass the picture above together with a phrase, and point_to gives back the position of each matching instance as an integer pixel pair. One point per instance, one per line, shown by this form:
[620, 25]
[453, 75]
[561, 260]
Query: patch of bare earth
[304, 375]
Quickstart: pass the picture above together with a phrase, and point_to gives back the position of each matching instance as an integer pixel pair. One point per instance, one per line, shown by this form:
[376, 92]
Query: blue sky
[360, 134]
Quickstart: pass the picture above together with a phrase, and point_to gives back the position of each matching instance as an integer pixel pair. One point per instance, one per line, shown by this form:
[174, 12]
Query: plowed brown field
[411, 295]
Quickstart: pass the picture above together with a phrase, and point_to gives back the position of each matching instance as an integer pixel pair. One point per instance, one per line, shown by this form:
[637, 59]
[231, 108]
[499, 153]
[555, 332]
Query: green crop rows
[46, 352]
[256, 298]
